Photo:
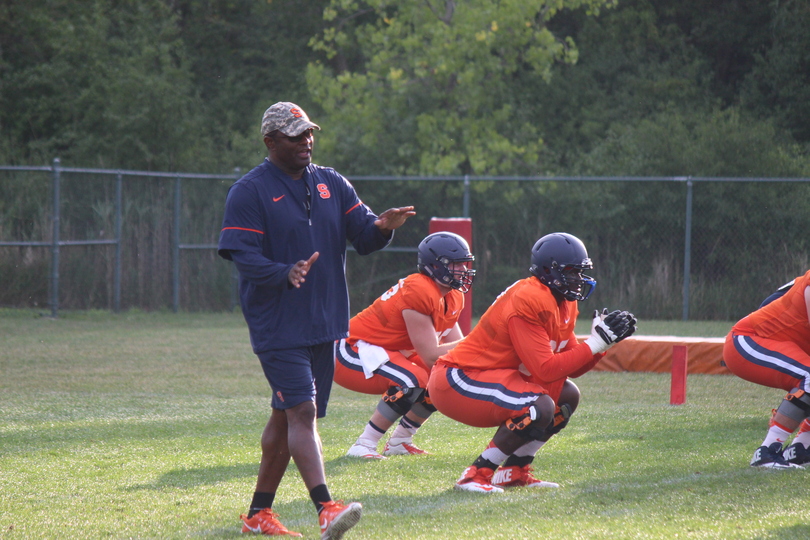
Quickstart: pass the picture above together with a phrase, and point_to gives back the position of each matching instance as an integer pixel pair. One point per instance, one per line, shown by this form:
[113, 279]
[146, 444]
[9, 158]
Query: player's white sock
[371, 436]
[529, 449]
[776, 434]
[404, 431]
[493, 454]
[804, 434]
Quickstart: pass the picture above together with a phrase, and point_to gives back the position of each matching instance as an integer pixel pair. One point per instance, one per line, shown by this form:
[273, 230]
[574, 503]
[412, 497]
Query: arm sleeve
[241, 240]
[259, 270]
[533, 346]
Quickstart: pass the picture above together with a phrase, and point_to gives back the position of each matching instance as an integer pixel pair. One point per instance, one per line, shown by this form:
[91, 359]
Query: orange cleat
[265, 521]
[507, 477]
[477, 480]
[336, 518]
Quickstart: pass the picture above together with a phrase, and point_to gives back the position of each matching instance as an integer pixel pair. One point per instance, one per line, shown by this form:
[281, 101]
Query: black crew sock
[518, 461]
[319, 495]
[482, 463]
[261, 500]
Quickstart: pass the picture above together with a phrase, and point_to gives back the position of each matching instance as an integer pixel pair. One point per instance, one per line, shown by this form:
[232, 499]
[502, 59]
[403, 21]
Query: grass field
[147, 426]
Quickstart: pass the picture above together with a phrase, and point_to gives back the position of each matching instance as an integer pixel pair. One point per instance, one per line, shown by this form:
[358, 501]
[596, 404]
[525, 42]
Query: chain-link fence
[663, 247]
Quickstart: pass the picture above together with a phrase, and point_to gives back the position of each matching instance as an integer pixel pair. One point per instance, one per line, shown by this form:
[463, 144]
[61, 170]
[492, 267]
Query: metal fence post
[176, 248]
[118, 222]
[465, 212]
[55, 241]
[687, 250]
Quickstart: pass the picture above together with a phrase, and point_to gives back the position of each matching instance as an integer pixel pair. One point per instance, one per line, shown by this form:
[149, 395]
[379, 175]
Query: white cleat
[477, 480]
[365, 452]
[403, 449]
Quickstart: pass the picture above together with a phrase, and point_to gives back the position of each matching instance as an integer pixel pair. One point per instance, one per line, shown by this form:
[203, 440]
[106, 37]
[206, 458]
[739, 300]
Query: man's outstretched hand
[393, 218]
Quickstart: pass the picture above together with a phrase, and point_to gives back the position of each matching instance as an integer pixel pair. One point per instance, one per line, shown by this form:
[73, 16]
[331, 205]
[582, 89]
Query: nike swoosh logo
[324, 524]
[276, 199]
[253, 529]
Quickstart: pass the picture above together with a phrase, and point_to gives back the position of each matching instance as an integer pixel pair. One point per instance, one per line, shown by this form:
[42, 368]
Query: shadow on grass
[796, 532]
[191, 478]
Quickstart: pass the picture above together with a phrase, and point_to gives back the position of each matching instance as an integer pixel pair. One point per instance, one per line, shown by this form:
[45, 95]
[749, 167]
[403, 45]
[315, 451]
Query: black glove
[631, 326]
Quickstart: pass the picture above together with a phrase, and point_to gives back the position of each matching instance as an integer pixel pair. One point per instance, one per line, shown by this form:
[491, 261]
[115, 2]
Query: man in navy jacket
[285, 228]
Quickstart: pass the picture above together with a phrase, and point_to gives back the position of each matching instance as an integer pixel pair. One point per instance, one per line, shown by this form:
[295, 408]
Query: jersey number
[392, 291]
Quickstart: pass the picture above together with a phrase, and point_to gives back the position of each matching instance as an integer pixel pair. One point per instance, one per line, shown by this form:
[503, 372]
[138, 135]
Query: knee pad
[423, 406]
[401, 398]
[527, 425]
[796, 405]
[561, 416]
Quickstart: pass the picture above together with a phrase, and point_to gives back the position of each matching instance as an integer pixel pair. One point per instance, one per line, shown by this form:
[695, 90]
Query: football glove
[631, 325]
[607, 329]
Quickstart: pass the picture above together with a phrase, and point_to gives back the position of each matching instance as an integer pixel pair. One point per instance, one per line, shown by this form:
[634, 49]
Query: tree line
[411, 86]
[428, 87]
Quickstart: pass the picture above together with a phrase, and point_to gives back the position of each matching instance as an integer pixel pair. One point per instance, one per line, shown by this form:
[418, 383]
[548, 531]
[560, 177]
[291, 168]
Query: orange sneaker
[336, 518]
[478, 480]
[265, 521]
[507, 477]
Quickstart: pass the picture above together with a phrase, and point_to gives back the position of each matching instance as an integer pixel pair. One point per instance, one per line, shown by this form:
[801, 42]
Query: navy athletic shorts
[299, 375]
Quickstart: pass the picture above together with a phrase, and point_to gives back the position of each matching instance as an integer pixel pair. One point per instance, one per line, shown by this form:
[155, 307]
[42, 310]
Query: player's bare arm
[393, 218]
[423, 336]
[300, 269]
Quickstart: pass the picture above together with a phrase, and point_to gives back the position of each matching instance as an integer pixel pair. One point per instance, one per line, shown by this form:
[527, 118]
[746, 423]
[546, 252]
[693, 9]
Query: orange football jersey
[489, 345]
[382, 324]
[784, 319]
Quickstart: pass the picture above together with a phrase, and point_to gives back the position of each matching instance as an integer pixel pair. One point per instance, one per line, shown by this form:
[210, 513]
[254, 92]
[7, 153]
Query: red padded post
[677, 392]
[463, 228]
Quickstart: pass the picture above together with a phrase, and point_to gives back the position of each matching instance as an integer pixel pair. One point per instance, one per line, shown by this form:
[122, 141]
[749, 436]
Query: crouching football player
[771, 347]
[393, 344]
[511, 371]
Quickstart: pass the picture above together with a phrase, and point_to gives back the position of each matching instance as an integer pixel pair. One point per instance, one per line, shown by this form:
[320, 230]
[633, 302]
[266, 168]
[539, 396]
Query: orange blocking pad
[654, 354]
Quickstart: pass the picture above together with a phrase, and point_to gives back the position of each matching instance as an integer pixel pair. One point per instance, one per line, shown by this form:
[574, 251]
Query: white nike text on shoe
[502, 476]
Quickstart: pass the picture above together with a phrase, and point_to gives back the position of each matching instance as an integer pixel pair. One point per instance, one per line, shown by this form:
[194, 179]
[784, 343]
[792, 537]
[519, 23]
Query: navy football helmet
[438, 251]
[558, 260]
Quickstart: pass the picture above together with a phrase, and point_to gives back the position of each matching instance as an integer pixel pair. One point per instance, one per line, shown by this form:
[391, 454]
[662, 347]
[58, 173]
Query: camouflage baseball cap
[288, 118]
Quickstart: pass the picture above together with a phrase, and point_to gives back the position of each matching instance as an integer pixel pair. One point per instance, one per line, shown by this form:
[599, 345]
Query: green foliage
[245, 55]
[149, 85]
[401, 87]
[709, 144]
[562, 87]
[104, 83]
[428, 83]
[778, 85]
